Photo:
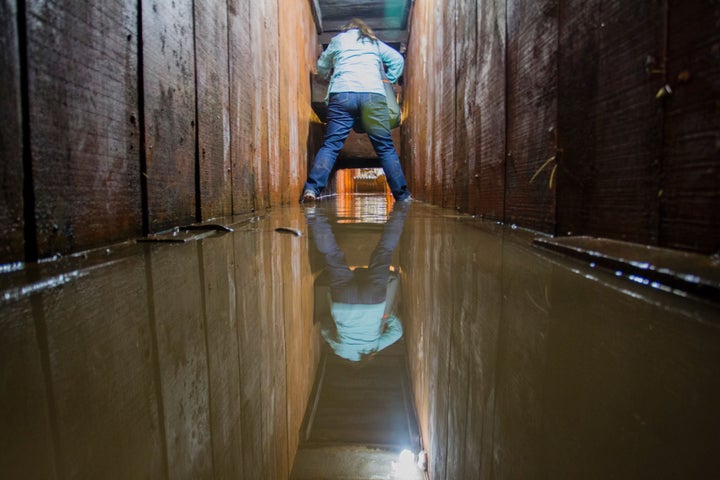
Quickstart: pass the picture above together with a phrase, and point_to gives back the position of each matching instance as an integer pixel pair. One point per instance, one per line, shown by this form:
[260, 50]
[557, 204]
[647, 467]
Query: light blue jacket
[355, 64]
[361, 330]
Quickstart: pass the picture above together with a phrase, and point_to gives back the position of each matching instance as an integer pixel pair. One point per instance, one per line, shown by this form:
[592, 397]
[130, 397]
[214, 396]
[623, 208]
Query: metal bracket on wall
[198, 231]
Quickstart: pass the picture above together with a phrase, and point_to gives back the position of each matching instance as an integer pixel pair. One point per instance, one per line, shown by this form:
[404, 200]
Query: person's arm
[392, 332]
[327, 60]
[392, 60]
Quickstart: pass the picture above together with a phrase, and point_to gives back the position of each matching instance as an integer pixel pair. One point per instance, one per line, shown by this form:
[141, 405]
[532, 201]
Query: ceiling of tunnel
[387, 18]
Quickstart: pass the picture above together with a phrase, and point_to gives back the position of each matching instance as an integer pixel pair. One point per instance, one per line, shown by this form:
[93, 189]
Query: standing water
[231, 354]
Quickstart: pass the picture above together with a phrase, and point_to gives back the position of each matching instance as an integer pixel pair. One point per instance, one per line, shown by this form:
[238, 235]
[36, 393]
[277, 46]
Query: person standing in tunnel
[356, 94]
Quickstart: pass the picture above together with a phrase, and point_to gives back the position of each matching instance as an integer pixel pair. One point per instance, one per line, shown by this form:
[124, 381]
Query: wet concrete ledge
[675, 271]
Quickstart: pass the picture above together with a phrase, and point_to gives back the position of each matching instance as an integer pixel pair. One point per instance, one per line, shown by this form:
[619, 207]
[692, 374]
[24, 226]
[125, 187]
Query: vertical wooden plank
[531, 112]
[296, 56]
[465, 103]
[276, 167]
[99, 348]
[26, 440]
[579, 87]
[177, 314]
[690, 179]
[258, 128]
[290, 40]
[213, 109]
[169, 94]
[441, 122]
[621, 193]
[447, 98]
[82, 75]
[11, 137]
[421, 80]
[487, 173]
[243, 85]
[215, 257]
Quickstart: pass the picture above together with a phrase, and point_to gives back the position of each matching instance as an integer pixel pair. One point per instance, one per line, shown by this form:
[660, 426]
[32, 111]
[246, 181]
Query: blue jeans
[371, 110]
[362, 285]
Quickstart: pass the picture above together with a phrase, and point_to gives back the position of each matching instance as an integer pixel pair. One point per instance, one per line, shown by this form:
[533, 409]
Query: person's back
[356, 62]
[356, 94]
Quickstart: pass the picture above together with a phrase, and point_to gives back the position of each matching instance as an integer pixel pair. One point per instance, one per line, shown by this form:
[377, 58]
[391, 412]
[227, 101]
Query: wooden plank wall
[690, 178]
[169, 104]
[122, 141]
[573, 86]
[609, 119]
[11, 138]
[295, 54]
[531, 111]
[417, 104]
[487, 174]
[213, 109]
[83, 121]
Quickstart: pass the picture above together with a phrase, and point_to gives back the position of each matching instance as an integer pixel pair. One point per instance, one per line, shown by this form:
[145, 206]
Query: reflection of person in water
[362, 325]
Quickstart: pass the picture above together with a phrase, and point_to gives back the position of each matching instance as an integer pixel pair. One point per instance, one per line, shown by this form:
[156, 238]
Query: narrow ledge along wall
[495, 89]
[105, 140]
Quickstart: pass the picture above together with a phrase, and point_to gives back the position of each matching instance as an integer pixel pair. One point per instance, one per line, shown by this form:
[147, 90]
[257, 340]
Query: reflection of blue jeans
[365, 286]
[343, 110]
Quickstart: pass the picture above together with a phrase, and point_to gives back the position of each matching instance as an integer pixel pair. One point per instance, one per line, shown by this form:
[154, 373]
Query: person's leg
[343, 287]
[340, 122]
[376, 122]
[381, 258]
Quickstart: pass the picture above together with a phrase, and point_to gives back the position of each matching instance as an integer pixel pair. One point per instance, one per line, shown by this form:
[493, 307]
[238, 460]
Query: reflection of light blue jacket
[361, 330]
[356, 64]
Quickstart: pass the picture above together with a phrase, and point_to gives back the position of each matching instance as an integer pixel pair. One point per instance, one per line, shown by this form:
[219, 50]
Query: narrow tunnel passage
[135, 346]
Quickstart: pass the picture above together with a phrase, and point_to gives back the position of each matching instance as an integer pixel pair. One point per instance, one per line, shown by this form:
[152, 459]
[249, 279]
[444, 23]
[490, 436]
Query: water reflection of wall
[524, 368]
[189, 361]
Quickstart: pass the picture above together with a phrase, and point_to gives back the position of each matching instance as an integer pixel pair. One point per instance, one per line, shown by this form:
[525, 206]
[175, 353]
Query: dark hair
[365, 31]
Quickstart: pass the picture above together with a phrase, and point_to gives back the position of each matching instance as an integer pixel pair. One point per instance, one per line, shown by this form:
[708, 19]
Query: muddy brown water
[198, 359]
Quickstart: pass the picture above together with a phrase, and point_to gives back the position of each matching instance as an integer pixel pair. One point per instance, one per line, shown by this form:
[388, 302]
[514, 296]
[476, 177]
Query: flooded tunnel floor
[204, 357]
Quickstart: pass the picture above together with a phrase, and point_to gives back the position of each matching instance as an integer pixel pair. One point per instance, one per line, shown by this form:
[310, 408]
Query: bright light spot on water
[640, 280]
[405, 468]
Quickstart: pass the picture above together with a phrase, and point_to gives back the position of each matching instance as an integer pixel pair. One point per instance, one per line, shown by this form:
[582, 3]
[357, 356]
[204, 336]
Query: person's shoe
[407, 199]
[308, 197]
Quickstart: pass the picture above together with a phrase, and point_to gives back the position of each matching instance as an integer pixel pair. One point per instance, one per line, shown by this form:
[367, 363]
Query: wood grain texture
[243, 85]
[11, 138]
[169, 92]
[82, 74]
[690, 179]
[487, 174]
[531, 111]
[620, 194]
[213, 109]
